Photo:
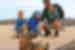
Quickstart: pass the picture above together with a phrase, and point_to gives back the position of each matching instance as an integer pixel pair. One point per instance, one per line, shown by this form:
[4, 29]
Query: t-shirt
[19, 24]
[32, 24]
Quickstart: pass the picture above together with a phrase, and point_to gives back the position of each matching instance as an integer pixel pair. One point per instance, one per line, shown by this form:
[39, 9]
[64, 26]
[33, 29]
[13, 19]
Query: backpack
[59, 10]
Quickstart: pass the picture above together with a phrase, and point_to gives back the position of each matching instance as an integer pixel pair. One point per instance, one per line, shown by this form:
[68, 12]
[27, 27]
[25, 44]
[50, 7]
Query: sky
[9, 8]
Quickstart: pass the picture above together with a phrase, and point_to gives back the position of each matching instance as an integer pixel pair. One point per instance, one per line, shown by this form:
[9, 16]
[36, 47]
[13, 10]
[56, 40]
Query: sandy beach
[7, 43]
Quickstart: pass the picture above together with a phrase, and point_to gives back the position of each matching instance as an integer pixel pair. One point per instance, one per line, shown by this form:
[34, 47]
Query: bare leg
[56, 33]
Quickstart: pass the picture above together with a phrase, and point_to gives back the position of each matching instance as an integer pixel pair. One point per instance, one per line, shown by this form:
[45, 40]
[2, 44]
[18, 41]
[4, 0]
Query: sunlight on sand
[7, 43]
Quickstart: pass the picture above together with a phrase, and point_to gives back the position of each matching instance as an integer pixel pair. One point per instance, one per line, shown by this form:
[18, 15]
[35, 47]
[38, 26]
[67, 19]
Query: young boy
[19, 22]
[33, 23]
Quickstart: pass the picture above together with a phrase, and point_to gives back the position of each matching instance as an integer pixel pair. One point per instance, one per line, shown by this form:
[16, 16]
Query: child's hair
[36, 14]
[20, 13]
[46, 1]
[20, 10]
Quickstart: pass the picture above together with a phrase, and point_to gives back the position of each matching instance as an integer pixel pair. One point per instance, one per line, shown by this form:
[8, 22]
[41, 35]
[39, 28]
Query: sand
[7, 43]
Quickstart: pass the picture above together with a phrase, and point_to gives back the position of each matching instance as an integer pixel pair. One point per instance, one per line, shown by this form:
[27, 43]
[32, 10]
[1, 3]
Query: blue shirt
[19, 24]
[32, 23]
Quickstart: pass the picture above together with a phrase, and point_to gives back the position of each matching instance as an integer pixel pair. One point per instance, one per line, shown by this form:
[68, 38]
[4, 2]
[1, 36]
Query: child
[19, 22]
[33, 23]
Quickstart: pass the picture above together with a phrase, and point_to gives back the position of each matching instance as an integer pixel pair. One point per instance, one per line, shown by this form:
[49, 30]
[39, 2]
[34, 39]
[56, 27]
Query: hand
[56, 24]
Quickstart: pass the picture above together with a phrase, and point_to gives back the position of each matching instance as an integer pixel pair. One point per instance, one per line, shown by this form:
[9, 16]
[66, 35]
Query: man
[51, 13]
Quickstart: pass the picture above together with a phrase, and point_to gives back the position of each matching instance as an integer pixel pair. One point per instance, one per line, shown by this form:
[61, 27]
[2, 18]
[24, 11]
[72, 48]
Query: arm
[43, 15]
[16, 26]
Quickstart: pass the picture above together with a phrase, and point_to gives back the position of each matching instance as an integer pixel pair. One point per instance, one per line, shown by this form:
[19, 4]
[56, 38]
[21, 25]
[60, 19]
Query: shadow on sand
[69, 46]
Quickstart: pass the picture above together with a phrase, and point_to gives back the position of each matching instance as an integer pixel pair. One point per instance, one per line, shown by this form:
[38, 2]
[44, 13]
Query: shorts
[35, 31]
